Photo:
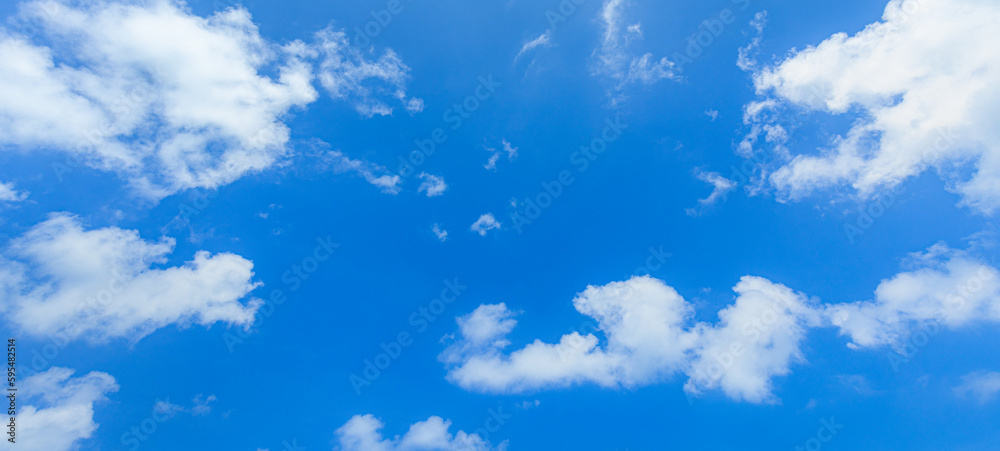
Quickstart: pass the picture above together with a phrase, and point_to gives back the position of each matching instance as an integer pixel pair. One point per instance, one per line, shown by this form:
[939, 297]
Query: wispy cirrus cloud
[614, 58]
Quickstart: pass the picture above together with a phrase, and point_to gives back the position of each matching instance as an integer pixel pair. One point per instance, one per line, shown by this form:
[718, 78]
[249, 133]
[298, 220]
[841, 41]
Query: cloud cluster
[649, 338]
[363, 433]
[9, 194]
[57, 409]
[946, 287]
[170, 100]
[347, 72]
[508, 148]
[59, 280]
[922, 88]
[614, 58]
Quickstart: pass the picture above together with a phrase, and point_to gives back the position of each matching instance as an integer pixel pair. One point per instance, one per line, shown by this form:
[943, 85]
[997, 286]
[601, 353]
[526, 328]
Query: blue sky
[732, 224]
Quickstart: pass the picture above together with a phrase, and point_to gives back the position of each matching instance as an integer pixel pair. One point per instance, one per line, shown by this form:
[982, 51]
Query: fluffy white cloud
[924, 85]
[347, 72]
[57, 410]
[984, 386]
[9, 194]
[372, 173]
[720, 187]
[648, 337]
[363, 433]
[484, 224]
[432, 185]
[757, 339]
[648, 340]
[614, 58]
[168, 99]
[945, 287]
[63, 281]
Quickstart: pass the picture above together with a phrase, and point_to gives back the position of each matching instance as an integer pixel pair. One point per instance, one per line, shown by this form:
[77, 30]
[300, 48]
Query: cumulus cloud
[944, 287]
[431, 185]
[720, 187]
[353, 74]
[56, 410]
[60, 280]
[757, 339]
[168, 99]
[648, 336]
[922, 86]
[484, 224]
[615, 59]
[363, 433]
[983, 386]
[648, 339]
[372, 173]
[9, 194]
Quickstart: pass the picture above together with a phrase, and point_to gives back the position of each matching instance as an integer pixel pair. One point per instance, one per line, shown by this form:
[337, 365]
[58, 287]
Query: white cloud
[509, 148]
[441, 233]
[363, 433]
[712, 114]
[491, 163]
[349, 73]
[56, 410]
[526, 405]
[372, 173]
[648, 337]
[544, 40]
[614, 58]
[648, 340]
[432, 185]
[983, 386]
[484, 224]
[924, 85]
[945, 287]
[63, 281]
[720, 187]
[415, 105]
[167, 99]
[202, 404]
[9, 194]
[167, 409]
[747, 54]
[758, 338]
